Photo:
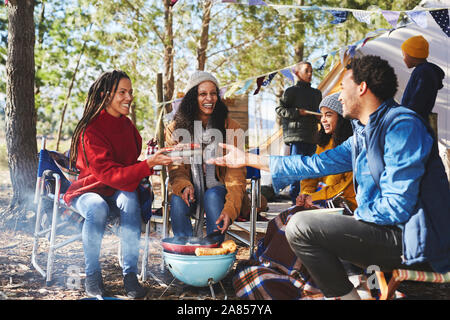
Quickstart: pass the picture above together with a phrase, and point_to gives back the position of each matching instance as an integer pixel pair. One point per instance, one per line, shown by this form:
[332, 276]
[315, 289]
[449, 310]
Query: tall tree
[204, 36]
[20, 111]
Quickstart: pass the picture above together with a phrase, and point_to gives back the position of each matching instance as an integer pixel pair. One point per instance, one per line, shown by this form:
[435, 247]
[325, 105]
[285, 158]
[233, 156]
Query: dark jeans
[305, 149]
[321, 240]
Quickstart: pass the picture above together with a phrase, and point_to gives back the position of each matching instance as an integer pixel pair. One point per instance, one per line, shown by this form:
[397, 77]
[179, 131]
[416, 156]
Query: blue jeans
[214, 200]
[95, 209]
[305, 149]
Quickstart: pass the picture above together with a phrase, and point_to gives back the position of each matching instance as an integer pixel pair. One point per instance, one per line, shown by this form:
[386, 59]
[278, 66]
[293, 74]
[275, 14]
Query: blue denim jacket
[393, 198]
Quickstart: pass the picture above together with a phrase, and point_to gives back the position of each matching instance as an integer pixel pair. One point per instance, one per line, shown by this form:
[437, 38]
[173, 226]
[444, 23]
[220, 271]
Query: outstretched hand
[235, 158]
[160, 158]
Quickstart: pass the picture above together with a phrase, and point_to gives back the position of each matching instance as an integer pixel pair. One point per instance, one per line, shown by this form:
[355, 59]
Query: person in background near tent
[402, 191]
[426, 79]
[334, 130]
[299, 127]
[202, 112]
[105, 149]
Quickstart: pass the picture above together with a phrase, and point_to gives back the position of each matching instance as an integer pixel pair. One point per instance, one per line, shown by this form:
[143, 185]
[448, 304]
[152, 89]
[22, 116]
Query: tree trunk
[201, 51]
[20, 110]
[169, 82]
[300, 30]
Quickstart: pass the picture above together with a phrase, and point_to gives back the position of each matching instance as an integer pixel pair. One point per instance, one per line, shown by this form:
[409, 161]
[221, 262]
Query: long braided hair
[97, 99]
[189, 110]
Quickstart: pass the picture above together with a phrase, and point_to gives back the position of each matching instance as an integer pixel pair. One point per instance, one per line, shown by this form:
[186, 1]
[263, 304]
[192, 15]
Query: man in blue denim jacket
[403, 214]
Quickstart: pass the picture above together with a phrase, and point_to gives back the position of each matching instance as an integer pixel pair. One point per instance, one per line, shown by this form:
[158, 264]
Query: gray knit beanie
[331, 101]
[198, 77]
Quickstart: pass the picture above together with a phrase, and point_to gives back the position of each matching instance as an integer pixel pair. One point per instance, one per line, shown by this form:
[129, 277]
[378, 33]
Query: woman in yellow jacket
[202, 118]
[334, 130]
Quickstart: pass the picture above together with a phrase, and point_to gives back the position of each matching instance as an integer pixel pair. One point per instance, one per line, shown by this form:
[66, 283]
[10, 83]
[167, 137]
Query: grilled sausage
[230, 245]
[210, 251]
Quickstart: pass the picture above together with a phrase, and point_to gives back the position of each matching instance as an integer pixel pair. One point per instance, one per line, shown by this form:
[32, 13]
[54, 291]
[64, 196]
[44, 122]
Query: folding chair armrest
[57, 178]
[49, 172]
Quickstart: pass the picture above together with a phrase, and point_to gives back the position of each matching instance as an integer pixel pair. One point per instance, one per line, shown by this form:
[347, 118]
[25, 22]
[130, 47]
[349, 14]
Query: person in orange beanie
[426, 79]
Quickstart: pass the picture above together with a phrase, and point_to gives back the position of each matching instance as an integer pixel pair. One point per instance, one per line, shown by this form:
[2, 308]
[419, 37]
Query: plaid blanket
[275, 272]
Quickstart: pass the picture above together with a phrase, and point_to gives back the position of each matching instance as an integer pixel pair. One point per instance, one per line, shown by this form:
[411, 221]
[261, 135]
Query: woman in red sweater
[105, 149]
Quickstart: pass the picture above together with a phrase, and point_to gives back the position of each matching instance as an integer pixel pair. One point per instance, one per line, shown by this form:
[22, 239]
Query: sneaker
[94, 285]
[132, 286]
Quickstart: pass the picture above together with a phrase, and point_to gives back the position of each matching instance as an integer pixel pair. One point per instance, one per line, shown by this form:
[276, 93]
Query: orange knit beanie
[416, 47]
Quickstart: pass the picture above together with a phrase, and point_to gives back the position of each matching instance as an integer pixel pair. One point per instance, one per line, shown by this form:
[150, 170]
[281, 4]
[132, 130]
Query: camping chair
[53, 179]
[255, 178]
[387, 289]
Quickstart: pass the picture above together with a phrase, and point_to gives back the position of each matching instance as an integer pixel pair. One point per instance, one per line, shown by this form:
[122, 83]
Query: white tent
[388, 46]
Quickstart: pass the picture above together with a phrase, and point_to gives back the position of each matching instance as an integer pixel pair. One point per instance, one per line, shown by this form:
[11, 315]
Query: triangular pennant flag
[419, 17]
[365, 40]
[259, 83]
[231, 90]
[339, 16]
[222, 91]
[391, 17]
[256, 3]
[363, 16]
[442, 19]
[172, 2]
[351, 50]
[245, 87]
[342, 55]
[176, 104]
[269, 79]
[288, 74]
[324, 62]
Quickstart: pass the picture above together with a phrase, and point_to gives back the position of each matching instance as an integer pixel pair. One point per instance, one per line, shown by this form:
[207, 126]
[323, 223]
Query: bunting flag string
[259, 83]
[323, 63]
[288, 74]
[242, 86]
[442, 19]
[256, 3]
[363, 16]
[340, 15]
[420, 18]
[269, 79]
[391, 17]
[316, 7]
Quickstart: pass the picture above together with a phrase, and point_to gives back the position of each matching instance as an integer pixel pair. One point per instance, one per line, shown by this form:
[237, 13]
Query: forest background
[69, 43]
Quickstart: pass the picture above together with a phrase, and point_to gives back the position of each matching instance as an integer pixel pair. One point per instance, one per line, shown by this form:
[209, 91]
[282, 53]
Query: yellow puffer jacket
[232, 178]
[334, 184]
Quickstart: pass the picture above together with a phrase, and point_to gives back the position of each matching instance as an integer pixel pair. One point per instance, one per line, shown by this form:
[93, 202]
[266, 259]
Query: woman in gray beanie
[218, 191]
[334, 130]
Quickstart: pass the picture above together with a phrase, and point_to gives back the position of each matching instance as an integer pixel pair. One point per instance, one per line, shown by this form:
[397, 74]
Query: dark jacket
[426, 235]
[421, 91]
[297, 128]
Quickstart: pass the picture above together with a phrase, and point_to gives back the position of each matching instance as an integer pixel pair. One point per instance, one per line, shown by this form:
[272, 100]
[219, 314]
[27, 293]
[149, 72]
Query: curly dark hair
[342, 132]
[377, 73]
[189, 108]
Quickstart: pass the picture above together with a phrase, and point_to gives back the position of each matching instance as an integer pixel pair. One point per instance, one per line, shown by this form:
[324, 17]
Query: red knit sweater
[112, 147]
